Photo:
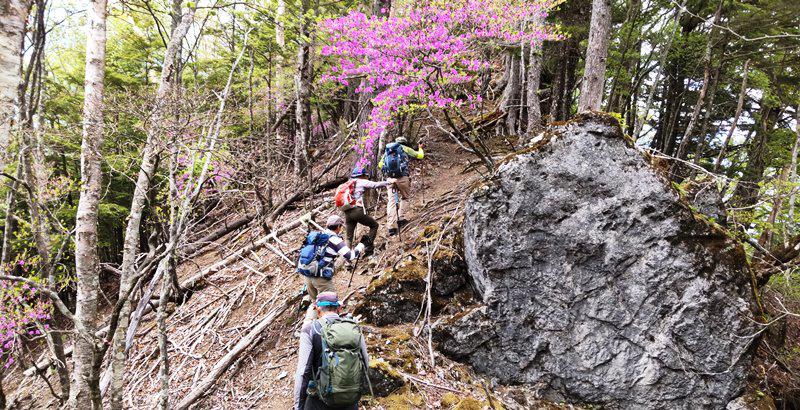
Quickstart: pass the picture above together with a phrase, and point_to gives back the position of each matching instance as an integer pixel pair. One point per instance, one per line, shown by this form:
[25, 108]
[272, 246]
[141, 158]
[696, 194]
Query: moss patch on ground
[404, 399]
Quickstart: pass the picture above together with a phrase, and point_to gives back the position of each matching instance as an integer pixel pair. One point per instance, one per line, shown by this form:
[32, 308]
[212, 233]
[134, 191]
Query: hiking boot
[369, 250]
[392, 231]
[305, 302]
[401, 223]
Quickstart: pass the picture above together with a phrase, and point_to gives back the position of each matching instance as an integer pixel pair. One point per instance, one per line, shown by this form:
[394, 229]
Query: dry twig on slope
[223, 364]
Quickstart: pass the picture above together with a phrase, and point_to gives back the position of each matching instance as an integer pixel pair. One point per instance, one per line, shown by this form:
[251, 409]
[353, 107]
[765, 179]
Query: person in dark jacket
[309, 354]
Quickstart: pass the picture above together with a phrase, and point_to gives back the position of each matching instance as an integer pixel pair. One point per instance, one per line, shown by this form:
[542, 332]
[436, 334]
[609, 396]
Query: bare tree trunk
[594, 73]
[2, 392]
[163, 374]
[85, 389]
[276, 99]
[509, 101]
[13, 15]
[702, 143]
[662, 61]
[557, 87]
[701, 97]
[747, 187]
[534, 79]
[631, 41]
[523, 83]
[765, 239]
[133, 230]
[31, 161]
[280, 33]
[793, 171]
[739, 108]
[9, 220]
[302, 85]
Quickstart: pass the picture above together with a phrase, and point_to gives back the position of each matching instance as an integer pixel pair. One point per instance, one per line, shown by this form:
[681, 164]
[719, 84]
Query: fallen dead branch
[241, 253]
[429, 384]
[191, 283]
[232, 356]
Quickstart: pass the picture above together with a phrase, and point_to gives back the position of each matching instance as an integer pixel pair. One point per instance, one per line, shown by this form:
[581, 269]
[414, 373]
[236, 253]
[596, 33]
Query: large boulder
[600, 285]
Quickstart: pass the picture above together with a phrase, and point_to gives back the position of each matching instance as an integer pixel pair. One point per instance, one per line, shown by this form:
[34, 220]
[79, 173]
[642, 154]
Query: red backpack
[345, 194]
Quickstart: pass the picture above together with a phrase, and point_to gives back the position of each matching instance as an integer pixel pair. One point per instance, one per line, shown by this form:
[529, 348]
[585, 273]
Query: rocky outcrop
[383, 379]
[599, 284]
[397, 295]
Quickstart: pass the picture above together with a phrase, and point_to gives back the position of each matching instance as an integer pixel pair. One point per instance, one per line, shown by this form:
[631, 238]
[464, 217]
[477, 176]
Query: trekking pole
[352, 272]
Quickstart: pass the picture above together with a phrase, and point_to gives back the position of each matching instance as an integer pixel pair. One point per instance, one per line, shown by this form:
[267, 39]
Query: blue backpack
[395, 161]
[311, 261]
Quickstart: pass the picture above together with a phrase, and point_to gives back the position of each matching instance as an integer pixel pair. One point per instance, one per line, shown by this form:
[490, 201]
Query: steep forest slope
[606, 215]
[555, 246]
[237, 296]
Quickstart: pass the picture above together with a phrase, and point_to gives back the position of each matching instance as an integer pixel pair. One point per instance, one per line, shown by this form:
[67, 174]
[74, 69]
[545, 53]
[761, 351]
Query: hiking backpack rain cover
[342, 372]
[310, 262]
[395, 163]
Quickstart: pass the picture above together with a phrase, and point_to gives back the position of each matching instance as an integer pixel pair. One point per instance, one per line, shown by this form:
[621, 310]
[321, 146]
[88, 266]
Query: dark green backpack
[342, 370]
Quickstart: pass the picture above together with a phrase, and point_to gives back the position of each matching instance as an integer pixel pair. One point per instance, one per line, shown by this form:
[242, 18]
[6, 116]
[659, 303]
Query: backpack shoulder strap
[322, 238]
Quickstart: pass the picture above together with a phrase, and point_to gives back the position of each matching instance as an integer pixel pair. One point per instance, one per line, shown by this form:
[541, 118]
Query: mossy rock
[449, 400]
[399, 292]
[469, 403]
[395, 297]
[385, 379]
[753, 400]
[403, 399]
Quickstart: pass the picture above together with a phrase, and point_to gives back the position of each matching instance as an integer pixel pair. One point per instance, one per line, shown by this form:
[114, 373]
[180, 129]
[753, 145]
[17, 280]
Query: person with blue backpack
[394, 164]
[318, 256]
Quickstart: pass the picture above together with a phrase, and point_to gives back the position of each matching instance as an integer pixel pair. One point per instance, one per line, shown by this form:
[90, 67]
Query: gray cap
[334, 221]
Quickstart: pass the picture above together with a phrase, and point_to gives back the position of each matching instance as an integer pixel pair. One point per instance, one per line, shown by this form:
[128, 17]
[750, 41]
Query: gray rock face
[599, 285]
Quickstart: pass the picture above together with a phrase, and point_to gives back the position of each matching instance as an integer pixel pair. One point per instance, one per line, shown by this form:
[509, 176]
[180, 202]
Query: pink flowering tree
[24, 314]
[427, 55]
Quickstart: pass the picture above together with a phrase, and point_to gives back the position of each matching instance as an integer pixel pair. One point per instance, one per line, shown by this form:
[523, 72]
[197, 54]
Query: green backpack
[342, 370]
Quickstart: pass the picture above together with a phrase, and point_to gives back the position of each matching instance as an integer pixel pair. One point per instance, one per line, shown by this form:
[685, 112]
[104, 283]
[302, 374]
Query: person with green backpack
[394, 164]
[332, 362]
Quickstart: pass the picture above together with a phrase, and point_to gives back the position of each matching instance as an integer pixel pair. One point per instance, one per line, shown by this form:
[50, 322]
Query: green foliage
[787, 284]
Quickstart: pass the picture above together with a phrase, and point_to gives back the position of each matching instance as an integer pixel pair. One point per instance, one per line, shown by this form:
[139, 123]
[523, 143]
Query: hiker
[394, 164]
[330, 345]
[318, 256]
[349, 199]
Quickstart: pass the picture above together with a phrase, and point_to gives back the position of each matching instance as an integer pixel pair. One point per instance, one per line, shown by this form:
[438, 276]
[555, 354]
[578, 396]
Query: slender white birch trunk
[13, 14]
[85, 389]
